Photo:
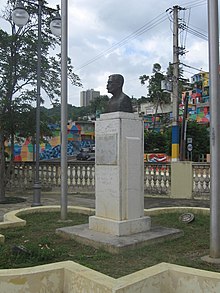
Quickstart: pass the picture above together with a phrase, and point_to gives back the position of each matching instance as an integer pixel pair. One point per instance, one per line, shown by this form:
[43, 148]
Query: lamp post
[64, 90]
[213, 22]
[20, 18]
[175, 122]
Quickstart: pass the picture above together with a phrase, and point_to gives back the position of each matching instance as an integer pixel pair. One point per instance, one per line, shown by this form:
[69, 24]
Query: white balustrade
[81, 177]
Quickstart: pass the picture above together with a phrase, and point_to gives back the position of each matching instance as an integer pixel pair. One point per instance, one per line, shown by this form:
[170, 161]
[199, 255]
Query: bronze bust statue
[119, 100]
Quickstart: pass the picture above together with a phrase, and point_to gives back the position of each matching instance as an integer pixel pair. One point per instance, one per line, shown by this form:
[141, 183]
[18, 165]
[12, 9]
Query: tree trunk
[155, 115]
[2, 168]
[10, 165]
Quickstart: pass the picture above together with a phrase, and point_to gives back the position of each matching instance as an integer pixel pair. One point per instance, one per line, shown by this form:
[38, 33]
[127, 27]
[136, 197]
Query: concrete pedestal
[119, 223]
[119, 175]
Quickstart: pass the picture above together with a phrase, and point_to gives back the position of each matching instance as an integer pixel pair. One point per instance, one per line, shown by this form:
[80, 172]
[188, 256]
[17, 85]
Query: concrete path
[26, 199]
[87, 200]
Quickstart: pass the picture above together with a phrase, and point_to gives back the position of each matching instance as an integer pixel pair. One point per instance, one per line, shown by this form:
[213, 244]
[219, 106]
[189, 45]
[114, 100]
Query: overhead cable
[193, 4]
[146, 27]
[151, 24]
[196, 33]
[193, 67]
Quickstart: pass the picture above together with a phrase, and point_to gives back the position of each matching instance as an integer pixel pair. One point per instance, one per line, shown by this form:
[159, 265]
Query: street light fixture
[20, 18]
[19, 15]
[55, 24]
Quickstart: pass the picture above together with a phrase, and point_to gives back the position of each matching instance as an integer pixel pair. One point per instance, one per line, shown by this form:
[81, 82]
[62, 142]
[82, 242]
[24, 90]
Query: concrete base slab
[119, 228]
[117, 244]
[211, 260]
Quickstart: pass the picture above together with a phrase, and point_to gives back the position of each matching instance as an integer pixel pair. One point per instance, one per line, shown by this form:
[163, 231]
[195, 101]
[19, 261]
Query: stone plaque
[106, 149]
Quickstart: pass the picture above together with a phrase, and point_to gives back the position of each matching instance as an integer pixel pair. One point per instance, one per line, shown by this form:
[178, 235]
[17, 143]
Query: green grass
[41, 245]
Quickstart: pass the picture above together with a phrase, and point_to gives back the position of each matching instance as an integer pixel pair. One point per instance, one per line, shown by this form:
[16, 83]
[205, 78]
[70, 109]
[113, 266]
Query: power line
[198, 28]
[193, 4]
[183, 20]
[195, 33]
[187, 28]
[193, 67]
[187, 25]
[151, 24]
[189, 72]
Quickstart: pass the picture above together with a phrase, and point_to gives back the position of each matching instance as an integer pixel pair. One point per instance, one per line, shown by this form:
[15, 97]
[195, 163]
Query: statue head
[119, 101]
[115, 83]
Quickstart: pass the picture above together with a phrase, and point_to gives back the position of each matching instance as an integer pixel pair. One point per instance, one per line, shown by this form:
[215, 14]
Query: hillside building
[198, 102]
[87, 96]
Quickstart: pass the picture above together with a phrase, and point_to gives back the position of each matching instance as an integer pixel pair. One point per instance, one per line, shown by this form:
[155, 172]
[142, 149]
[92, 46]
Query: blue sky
[128, 37]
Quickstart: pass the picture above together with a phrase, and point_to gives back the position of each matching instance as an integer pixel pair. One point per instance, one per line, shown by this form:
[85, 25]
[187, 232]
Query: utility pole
[175, 94]
[183, 129]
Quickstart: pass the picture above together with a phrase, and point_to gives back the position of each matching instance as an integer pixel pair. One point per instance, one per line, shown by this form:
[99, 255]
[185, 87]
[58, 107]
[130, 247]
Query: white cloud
[104, 29]
[198, 53]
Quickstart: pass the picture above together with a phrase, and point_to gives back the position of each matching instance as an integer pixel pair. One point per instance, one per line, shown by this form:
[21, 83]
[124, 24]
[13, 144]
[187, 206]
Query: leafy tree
[29, 129]
[155, 94]
[18, 63]
[137, 102]
[200, 139]
[74, 113]
[161, 142]
[98, 105]
[155, 142]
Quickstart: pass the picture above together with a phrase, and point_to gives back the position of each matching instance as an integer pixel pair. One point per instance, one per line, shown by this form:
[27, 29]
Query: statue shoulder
[125, 103]
[123, 96]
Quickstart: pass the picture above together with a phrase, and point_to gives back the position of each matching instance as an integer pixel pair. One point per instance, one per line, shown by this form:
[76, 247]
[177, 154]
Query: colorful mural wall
[198, 107]
[50, 149]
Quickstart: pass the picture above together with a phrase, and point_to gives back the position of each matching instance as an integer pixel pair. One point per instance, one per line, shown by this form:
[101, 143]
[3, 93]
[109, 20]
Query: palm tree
[155, 94]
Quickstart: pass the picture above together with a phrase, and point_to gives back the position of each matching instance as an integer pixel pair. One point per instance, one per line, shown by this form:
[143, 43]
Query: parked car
[85, 149]
[91, 159]
[82, 156]
[92, 148]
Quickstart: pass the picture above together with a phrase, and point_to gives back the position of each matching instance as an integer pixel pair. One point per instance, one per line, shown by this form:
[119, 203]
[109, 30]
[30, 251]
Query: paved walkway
[18, 201]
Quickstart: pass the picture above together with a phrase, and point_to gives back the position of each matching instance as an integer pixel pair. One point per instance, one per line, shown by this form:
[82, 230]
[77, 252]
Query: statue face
[112, 85]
